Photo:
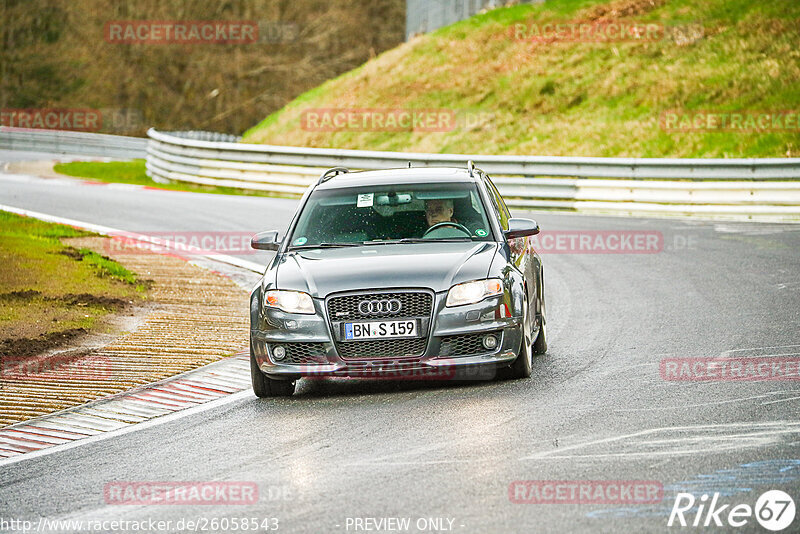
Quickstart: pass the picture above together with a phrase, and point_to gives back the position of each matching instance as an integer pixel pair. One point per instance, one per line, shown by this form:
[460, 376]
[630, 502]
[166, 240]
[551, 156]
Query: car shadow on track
[344, 387]
[325, 387]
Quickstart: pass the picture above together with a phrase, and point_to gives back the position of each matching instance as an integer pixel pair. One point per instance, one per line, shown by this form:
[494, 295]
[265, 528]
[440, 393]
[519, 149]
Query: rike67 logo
[774, 510]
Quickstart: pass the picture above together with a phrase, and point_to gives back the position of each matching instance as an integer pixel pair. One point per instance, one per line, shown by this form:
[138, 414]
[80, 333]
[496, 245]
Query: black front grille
[302, 353]
[466, 344]
[382, 348]
[414, 304]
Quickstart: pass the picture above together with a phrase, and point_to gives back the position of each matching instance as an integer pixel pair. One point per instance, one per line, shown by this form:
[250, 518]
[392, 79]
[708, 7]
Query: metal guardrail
[200, 135]
[73, 143]
[731, 188]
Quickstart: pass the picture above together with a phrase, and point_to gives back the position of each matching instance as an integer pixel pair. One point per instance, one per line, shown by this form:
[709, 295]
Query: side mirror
[521, 228]
[266, 241]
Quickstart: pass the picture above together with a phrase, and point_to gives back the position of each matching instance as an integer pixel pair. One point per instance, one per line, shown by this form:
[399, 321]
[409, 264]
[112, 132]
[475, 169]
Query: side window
[499, 206]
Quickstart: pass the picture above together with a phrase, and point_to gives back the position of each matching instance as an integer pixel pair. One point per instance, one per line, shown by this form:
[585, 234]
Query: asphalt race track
[444, 454]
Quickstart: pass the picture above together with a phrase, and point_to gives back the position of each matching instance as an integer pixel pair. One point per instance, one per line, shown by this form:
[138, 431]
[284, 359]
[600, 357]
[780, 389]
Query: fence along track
[767, 188]
[758, 189]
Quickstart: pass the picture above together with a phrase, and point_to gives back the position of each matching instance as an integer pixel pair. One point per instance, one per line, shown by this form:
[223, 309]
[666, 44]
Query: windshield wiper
[417, 240]
[435, 239]
[381, 242]
[324, 245]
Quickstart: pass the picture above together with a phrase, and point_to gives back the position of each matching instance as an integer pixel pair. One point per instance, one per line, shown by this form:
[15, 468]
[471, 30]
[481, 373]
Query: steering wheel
[447, 223]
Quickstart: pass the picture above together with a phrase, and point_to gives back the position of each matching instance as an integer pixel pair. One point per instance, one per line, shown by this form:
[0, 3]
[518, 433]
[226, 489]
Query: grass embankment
[512, 96]
[133, 172]
[49, 291]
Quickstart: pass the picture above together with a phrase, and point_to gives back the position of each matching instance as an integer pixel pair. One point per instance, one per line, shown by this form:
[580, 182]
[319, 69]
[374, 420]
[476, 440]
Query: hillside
[513, 87]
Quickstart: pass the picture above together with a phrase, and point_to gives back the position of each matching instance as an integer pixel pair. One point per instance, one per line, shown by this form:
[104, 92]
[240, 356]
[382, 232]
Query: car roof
[416, 175]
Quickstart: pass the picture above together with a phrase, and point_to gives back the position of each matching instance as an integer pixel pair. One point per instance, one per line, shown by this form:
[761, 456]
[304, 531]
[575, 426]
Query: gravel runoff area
[198, 317]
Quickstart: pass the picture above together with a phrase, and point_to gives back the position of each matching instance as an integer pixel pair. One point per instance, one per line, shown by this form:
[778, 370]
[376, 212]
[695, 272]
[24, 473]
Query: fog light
[490, 342]
[279, 353]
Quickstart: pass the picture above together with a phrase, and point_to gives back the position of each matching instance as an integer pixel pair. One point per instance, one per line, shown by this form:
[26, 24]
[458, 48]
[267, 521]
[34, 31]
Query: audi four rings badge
[379, 307]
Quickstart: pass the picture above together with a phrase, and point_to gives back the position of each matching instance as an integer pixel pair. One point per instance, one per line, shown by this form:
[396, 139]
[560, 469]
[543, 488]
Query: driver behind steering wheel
[439, 211]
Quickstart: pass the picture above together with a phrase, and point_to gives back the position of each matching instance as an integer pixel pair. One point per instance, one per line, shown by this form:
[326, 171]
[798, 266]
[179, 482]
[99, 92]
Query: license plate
[380, 330]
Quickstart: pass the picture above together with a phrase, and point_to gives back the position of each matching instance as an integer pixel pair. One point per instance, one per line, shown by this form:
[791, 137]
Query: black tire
[265, 387]
[540, 345]
[522, 366]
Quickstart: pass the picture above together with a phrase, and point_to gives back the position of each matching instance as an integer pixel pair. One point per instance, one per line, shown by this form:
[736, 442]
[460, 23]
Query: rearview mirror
[521, 228]
[266, 241]
[393, 200]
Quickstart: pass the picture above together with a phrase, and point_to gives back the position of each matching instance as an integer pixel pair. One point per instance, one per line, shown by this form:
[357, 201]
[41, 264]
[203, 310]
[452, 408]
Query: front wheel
[522, 367]
[265, 387]
[540, 345]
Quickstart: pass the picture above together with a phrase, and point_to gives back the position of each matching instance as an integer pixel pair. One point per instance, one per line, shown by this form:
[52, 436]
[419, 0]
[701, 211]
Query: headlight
[290, 301]
[472, 292]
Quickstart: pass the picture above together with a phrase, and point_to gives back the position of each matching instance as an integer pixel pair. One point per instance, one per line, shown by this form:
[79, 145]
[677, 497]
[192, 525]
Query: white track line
[234, 397]
[113, 232]
[157, 419]
[106, 421]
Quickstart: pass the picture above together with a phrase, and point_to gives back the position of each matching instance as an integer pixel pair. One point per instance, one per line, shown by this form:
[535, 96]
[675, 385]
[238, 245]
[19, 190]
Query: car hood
[438, 266]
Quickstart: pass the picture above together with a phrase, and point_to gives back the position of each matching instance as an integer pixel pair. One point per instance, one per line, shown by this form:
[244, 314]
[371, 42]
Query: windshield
[388, 214]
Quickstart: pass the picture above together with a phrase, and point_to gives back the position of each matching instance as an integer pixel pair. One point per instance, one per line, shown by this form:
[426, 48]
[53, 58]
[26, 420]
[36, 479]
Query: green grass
[133, 172]
[126, 172]
[573, 98]
[107, 267]
[48, 287]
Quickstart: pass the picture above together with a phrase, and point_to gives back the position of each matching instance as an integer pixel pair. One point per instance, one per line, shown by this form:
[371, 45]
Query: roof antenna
[409, 164]
[471, 168]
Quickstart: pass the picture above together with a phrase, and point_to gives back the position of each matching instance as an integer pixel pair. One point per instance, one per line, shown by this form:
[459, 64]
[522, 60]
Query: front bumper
[452, 350]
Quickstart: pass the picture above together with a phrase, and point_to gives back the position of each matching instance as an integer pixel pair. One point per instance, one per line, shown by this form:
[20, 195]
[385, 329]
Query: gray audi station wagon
[408, 273]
